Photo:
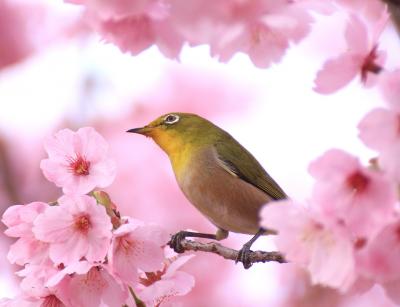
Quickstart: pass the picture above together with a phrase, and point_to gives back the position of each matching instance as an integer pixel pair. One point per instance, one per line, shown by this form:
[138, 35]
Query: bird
[220, 177]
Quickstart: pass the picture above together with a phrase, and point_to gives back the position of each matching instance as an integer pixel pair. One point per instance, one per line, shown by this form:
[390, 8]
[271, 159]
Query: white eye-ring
[171, 119]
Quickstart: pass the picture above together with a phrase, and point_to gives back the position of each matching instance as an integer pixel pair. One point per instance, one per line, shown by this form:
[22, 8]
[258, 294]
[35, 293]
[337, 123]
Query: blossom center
[52, 301]
[79, 166]
[370, 65]
[150, 278]
[357, 181]
[82, 223]
[359, 243]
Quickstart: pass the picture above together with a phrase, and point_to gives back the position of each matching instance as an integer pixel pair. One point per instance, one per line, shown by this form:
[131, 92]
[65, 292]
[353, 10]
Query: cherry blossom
[34, 289]
[136, 246]
[19, 220]
[119, 9]
[135, 25]
[379, 129]
[169, 282]
[380, 262]
[326, 252]
[13, 24]
[389, 86]
[370, 9]
[77, 228]
[261, 29]
[78, 161]
[89, 255]
[91, 284]
[35, 276]
[361, 57]
[351, 195]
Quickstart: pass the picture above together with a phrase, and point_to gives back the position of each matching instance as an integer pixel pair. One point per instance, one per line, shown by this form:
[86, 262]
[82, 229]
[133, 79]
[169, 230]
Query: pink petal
[60, 145]
[133, 34]
[176, 264]
[80, 267]
[92, 145]
[269, 47]
[160, 291]
[356, 35]
[153, 233]
[389, 85]
[337, 72]
[97, 248]
[124, 267]
[145, 255]
[379, 129]
[104, 173]
[19, 219]
[392, 291]
[54, 225]
[118, 9]
[27, 250]
[333, 164]
[276, 216]
[56, 172]
[96, 288]
[379, 262]
[168, 40]
[390, 162]
[332, 262]
[69, 251]
[115, 294]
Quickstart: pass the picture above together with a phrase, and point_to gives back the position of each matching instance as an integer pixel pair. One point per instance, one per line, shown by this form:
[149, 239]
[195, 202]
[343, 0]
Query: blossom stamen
[357, 181]
[79, 166]
[370, 65]
[82, 223]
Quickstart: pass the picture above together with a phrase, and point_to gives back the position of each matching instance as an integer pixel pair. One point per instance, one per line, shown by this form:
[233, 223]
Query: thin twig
[231, 254]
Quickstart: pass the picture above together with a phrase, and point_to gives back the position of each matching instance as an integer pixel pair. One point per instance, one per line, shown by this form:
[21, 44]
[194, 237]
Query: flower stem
[138, 302]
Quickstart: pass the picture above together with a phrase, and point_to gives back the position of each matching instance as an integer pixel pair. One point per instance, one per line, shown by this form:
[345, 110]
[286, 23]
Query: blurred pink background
[55, 73]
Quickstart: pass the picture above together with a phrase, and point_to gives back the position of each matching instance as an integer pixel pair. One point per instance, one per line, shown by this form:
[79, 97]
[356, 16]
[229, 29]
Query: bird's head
[173, 131]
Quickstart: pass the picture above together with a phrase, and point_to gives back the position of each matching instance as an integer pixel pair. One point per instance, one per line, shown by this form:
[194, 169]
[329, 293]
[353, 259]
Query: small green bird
[217, 175]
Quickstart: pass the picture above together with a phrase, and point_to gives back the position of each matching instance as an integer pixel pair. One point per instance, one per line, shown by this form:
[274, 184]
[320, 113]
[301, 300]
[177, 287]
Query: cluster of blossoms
[347, 235]
[262, 29]
[79, 251]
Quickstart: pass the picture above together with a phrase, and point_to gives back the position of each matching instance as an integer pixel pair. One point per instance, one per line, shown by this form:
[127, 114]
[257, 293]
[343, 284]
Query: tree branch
[231, 254]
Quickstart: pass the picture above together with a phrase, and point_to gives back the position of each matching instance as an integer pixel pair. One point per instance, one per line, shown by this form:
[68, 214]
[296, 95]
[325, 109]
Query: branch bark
[231, 254]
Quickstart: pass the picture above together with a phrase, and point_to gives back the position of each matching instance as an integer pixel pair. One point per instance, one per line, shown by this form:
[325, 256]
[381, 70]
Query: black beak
[143, 130]
[135, 130]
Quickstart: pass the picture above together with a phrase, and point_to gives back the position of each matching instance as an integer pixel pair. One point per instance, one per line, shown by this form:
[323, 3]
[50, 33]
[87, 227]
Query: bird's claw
[244, 256]
[176, 242]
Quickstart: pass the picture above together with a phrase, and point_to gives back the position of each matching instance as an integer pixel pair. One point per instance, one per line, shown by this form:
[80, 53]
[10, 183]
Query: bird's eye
[171, 119]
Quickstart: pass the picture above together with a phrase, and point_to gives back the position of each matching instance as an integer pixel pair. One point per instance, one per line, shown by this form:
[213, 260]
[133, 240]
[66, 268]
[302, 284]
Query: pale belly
[227, 201]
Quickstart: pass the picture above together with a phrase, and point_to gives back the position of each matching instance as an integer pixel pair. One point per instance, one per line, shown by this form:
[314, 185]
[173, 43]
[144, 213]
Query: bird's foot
[244, 256]
[176, 242]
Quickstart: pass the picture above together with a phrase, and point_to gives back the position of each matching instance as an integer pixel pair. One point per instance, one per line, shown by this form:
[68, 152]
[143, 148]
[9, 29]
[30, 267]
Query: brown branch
[231, 254]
